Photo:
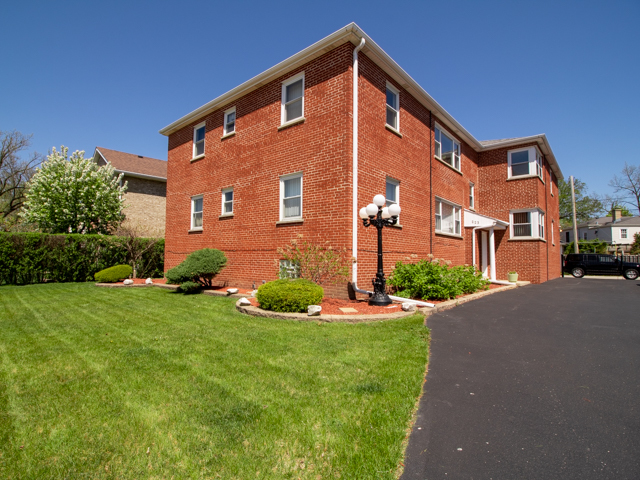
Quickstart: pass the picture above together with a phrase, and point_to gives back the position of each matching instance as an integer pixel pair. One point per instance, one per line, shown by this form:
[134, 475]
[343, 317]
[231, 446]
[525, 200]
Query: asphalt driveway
[539, 382]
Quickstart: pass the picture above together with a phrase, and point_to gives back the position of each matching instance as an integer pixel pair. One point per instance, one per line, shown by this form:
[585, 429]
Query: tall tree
[74, 195]
[627, 184]
[624, 211]
[586, 206]
[15, 172]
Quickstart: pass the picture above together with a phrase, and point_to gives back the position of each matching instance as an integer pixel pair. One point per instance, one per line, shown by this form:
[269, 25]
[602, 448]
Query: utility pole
[575, 223]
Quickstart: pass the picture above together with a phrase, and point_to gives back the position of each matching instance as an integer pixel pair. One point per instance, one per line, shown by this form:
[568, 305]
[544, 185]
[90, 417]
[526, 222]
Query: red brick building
[300, 148]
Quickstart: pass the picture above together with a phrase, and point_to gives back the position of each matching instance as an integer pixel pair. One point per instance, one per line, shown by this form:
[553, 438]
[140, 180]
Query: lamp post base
[380, 300]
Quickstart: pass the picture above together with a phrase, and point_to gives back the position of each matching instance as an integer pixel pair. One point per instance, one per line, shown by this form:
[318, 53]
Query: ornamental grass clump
[289, 295]
[113, 274]
[435, 279]
[200, 267]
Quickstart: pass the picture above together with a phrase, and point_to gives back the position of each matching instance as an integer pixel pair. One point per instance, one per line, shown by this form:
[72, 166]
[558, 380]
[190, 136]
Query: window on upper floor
[553, 241]
[447, 217]
[623, 233]
[551, 182]
[229, 121]
[198, 140]
[393, 107]
[526, 162]
[291, 197]
[196, 212]
[447, 148]
[472, 195]
[292, 99]
[527, 224]
[227, 201]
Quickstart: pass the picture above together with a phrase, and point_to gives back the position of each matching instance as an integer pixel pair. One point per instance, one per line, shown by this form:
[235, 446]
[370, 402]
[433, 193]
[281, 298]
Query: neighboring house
[616, 230]
[145, 198]
[280, 155]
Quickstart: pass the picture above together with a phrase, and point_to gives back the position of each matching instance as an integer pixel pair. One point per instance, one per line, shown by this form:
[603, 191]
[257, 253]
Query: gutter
[141, 175]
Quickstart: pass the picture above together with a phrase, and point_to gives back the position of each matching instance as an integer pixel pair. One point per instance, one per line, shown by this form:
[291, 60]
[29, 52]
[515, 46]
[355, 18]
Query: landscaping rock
[128, 281]
[244, 301]
[253, 293]
[231, 291]
[409, 307]
[148, 281]
[314, 310]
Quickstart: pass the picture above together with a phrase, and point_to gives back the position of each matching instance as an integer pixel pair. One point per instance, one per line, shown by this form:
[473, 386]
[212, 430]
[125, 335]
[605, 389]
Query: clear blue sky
[112, 74]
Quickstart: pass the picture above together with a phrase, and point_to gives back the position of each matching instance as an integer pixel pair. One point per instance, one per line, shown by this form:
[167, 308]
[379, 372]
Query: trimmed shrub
[289, 295]
[200, 267]
[41, 257]
[190, 287]
[113, 274]
[435, 280]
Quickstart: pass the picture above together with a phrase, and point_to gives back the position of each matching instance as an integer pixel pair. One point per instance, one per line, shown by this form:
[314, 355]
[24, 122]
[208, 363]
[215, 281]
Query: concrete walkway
[540, 382]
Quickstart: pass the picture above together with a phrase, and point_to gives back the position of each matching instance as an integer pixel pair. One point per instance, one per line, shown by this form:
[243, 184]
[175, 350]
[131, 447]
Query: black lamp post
[374, 214]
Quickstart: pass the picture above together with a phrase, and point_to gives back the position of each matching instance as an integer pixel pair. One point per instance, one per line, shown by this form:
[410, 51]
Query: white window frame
[285, 84]
[457, 217]
[396, 185]
[584, 235]
[195, 130]
[623, 234]
[282, 180]
[551, 182]
[438, 148]
[289, 269]
[536, 221]
[472, 195]
[193, 212]
[224, 201]
[388, 107]
[225, 128]
[553, 227]
[535, 163]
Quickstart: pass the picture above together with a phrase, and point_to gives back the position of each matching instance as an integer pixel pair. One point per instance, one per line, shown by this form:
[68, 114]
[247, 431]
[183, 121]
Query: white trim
[460, 219]
[472, 196]
[284, 103]
[223, 191]
[534, 222]
[225, 122]
[439, 144]
[290, 176]
[534, 154]
[141, 175]
[195, 129]
[396, 92]
[191, 223]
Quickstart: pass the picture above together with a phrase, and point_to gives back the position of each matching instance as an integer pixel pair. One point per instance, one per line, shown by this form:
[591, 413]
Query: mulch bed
[138, 281]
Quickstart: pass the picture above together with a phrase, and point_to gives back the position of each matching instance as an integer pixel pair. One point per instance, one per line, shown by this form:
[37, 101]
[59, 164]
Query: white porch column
[492, 254]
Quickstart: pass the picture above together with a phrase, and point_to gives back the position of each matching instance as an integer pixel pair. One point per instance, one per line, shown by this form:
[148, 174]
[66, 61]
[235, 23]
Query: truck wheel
[577, 272]
[631, 274]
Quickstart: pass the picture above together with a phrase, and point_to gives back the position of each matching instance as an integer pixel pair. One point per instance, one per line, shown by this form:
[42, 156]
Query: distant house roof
[606, 222]
[134, 165]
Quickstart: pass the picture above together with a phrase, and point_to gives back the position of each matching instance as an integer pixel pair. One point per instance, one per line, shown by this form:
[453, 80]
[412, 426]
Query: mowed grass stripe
[210, 392]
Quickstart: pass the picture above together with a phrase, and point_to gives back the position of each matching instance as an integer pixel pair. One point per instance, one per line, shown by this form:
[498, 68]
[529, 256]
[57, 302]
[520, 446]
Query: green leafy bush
[289, 295]
[588, 246]
[190, 287]
[199, 267]
[635, 246]
[38, 257]
[434, 279]
[321, 264]
[113, 274]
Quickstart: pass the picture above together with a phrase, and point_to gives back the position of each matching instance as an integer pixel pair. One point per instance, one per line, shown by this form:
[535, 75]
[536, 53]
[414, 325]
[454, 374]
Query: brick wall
[145, 204]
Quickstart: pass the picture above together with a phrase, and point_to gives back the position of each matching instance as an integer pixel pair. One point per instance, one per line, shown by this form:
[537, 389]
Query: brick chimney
[616, 215]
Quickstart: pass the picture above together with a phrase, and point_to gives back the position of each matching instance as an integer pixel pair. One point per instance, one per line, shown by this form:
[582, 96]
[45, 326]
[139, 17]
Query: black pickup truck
[581, 264]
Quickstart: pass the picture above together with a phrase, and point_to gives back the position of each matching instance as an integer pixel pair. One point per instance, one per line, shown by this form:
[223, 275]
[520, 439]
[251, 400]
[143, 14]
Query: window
[623, 233]
[553, 242]
[585, 235]
[292, 99]
[472, 195]
[229, 121]
[392, 191]
[566, 237]
[528, 224]
[196, 213]
[198, 140]
[289, 269]
[551, 182]
[447, 217]
[291, 197]
[227, 201]
[447, 149]
[526, 162]
[393, 107]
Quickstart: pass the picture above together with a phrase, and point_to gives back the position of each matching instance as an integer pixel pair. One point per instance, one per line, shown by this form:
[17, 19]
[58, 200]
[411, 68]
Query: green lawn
[146, 383]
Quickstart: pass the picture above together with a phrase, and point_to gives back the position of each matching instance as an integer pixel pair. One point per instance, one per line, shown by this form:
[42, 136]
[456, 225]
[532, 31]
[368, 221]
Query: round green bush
[190, 287]
[113, 274]
[289, 295]
[200, 266]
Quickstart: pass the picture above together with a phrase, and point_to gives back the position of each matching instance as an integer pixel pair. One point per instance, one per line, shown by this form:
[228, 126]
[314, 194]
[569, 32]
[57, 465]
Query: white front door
[485, 262]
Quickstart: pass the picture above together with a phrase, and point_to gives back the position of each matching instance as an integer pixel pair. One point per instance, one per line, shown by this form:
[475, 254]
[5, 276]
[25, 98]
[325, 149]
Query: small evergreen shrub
[190, 287]
[434, 280]
[113, 274]
[199, 267]
[289, 295]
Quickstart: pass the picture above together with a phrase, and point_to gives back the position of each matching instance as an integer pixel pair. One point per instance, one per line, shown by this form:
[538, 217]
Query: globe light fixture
[379, 216]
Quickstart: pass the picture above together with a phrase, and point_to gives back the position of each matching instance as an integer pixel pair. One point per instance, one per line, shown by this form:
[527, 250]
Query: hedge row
[38, 257]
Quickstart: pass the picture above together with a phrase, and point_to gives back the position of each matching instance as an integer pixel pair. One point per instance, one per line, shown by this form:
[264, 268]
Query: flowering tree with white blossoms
[74, 195]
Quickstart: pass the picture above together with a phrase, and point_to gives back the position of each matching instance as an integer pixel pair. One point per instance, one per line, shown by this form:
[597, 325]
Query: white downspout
[356, 217]
[492, 254]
